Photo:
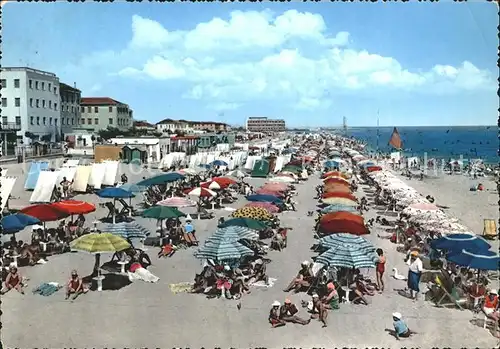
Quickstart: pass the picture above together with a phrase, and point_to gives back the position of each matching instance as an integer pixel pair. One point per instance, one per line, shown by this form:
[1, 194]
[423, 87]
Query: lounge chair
[490, 229]
[203, 214]
[453, 297]
[127, 209]
[190, 239]
[119, 216]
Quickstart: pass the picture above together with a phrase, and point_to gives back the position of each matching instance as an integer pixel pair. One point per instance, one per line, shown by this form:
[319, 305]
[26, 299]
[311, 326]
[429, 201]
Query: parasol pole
[114, 210]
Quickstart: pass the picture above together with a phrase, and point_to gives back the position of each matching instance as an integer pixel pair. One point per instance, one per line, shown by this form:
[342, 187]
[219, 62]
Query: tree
[180, 133]
[110, 132]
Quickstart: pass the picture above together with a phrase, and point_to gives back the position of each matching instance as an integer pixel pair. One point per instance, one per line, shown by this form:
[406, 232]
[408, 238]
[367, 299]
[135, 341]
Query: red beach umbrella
[263, 191]
[200, 192]
[212, 185]
[74, 206]
[45, 212]
[337, 188]
[224, 181]
[373, 168]
[336, 180]
[339, 194]
[334, 174]
[343, 222]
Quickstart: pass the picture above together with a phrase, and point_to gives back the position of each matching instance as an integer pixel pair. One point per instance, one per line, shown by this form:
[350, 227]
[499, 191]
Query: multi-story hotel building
[98, 113]
[70, 107]
[265, 125]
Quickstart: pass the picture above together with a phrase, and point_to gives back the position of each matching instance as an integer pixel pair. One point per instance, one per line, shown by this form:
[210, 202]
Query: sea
[443, 142]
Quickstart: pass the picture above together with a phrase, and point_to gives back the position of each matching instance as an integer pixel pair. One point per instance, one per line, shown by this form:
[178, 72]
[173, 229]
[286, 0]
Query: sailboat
[395, 140]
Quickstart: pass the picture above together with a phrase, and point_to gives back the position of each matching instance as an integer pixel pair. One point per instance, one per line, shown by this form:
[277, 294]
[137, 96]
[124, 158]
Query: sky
[308, 63]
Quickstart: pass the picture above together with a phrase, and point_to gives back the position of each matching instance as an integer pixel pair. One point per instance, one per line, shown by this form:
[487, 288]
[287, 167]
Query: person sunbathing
[258, 269]
[205, 281]
[331, 299]
[75, 286]
[357, 293]
[319, 310]
[491, 304]
[26, 252]
[303, 278]
[288, 313]
[274, 315]
[14, 280]
[238, 286]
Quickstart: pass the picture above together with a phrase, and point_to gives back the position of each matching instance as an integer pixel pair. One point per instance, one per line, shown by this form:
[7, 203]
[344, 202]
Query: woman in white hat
[274, 315]
[400, 327]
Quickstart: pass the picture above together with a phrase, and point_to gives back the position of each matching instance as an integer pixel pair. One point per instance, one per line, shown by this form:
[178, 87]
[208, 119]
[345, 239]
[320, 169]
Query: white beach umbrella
[282, 179]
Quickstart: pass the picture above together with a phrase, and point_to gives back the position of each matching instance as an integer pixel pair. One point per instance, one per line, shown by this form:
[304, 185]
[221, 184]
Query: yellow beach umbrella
[339, 201]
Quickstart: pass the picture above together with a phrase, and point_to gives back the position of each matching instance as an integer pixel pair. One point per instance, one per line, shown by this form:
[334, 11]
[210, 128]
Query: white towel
[142, 274]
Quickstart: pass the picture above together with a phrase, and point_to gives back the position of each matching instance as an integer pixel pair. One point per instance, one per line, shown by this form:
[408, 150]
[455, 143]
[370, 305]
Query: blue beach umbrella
[13, 223]
[232, 233]
[133, 188]
[338, 208]
[161, 179]
[347, 256]
[459, 242]
[126, 230]
[331, 164]
[337, 241]
[223, 250]
[218, 163]
[264, 198]
[484, 260]
[114, 193]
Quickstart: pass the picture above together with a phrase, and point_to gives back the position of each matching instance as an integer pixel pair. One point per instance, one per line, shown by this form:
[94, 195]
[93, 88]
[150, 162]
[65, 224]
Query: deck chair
[127, 208]
[190, 239]
[453, 297]
[490, 229]
[111, 209]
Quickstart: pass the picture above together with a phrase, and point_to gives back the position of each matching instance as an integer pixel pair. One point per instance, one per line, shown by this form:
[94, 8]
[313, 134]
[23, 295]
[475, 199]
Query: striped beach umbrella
[347, 256]
[339, 207]
[176, 202]
[232, 233]
[338, 240]
[126, 230]
[223, 250]
[99, 243]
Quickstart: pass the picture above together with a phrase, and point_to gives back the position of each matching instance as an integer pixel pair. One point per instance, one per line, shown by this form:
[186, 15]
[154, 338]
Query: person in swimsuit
[13, 281]
[288, 313]
[274, 315]
[75, 286]
[319, 309]
[65, 187]
[303, 279]
[380, 269]
[331, 300]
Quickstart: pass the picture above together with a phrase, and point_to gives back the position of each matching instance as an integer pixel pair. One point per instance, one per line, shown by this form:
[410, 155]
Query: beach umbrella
[282, 179]
[331, 164]
[338, 240]
[211, 185]
[264, 198]
[74, 206]
[424, 207]
[347, 256]
[459, 242]
[334, 153]
[45, 212]
[200, 192]
[339, 201]
[276, 193]
[224, 181]
[127, 230]
[114, 193]
[484, 260]
[244, 222]
[373, 168]
[343, 222]
[336, 180]
[295, 162]
[258, 213]
[337, 208]
[237, 174]
[187, 171]
[176, 202]
[13, 223]
[233, 233]
[161, 179]
[286, 174]
[365, 162]
[133, 188]
[335, 174]
[292, 168]
[223, 250]
[338, 194]
[269, 207]
[339, 188]
[358, 157]
[275, 186]
[218, 163]
[162, 212]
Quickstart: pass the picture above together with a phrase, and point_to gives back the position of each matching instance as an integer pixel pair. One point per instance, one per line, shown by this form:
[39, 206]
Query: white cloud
[289, 58]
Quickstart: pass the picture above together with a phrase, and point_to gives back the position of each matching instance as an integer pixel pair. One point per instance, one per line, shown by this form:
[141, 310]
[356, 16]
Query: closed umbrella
[339, 201]
[337, 208]
[339, 194]
[127, 230]
[177, 202]
[336, 241]
[264, 198]
[74, 206]
[459, 242]
[244, 222]
[269, 207]
[484, 260]
[347, 256]
[114, 193]
[233, 233]
[343, 222]
[223, 250]
[162, 212]
[161, 179]
[13, 223]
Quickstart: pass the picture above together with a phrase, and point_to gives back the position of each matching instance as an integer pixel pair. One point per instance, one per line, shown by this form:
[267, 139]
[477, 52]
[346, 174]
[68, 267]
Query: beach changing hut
[260, 168]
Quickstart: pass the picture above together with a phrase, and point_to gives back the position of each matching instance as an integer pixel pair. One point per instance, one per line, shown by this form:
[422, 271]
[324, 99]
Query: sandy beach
[150, 315]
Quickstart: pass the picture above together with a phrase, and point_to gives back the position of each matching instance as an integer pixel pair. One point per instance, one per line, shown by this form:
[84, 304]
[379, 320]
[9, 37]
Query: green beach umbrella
[162, 212]
[244, 222]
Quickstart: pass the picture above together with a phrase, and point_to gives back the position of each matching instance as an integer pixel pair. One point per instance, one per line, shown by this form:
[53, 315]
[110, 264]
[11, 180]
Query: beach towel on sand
[142, 274]
[262, 283]
[181, 287]
[47, 289]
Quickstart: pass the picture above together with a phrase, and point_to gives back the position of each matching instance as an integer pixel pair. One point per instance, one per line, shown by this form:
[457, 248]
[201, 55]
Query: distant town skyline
[310, 64]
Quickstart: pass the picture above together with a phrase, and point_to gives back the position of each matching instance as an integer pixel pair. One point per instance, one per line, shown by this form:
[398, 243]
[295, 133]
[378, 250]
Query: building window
[55, 122]
[18, 120]
[4, 120]
[43, 86]
[55, 90]
[17, 102]
[17, 83]
[36, 85]
[96, 121]
[31, 102]
[50, 104]
[4, 83]
[96, 109]
[50, 87]
[55, 106]
[4, 102]
[82, 109]
[110, 109]
[50, 121]
[45, 120]
[38, 103]
[72, 109]
[38, 120]
[82, 121]
[72, 121]
[32, 120]
[30, 83]
[62, 121]
[111, 121]
[43, 103]
[89, 109]
[89, 121]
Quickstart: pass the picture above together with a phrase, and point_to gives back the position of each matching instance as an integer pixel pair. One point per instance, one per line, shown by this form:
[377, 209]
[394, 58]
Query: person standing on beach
[380, 269]
[414, 273]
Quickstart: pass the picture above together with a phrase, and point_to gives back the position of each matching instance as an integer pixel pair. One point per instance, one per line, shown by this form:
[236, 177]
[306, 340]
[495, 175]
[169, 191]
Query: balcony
[10, 126]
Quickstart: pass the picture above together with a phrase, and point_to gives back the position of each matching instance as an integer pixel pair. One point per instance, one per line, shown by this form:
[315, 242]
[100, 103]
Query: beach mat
[44, 187]
[6, 185]
[181, 287]
[97, 175]
[81, 179]
[34, 173]
[110, 174]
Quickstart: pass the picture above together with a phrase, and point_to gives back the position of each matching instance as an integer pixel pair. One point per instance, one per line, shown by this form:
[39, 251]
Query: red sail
[395, 139]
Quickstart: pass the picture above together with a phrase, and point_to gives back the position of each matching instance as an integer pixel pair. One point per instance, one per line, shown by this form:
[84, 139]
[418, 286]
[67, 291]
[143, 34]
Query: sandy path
[149, 315]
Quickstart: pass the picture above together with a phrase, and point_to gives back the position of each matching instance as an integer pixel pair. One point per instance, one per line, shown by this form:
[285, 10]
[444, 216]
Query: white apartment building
[170, 126]
[30, 99]
[99, 113]
[70, 107]
[265, 125]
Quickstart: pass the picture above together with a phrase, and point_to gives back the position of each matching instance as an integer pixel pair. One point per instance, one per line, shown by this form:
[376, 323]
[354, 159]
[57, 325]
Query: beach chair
[490, 229]
[127, 208]
[453, 297]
